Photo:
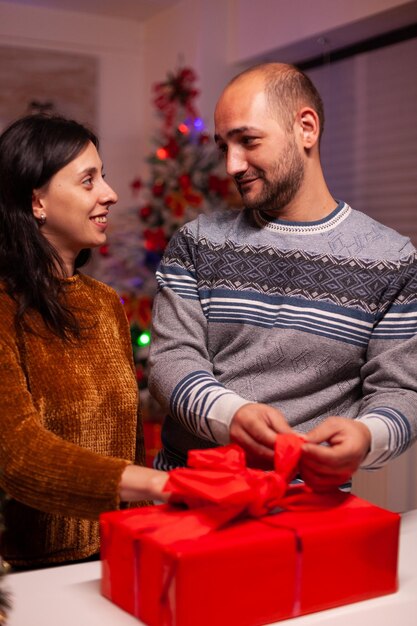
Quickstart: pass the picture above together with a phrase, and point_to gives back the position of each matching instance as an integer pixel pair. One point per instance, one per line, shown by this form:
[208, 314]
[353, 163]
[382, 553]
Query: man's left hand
[326, 466]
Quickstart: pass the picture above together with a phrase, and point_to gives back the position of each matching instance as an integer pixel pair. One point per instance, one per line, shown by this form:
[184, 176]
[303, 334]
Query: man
[296, 313]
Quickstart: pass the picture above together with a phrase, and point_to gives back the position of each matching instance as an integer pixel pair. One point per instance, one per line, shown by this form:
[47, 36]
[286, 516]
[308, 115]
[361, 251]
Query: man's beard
[280, 187]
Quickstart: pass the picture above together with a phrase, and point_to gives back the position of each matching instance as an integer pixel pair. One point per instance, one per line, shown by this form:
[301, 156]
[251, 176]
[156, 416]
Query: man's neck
[311, 210]
[313, 202]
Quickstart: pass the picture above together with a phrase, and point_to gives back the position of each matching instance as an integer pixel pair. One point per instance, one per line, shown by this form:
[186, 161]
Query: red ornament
[136, 185]
[155, 240]
[145, 211]
[218, 185]
[176, 203]
[140, 374]
[144, 311]
[104, 250]
[204, 138]
[184, 181]
[158, 189]
[194, 198]
[172, 148]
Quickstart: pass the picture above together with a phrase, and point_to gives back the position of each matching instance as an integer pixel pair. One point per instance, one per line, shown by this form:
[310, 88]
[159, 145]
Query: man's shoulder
[379, 240]
[214, 218]
[216, 225]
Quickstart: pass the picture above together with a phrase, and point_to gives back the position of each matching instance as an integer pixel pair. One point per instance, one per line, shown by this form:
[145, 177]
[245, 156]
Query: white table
[70, 596]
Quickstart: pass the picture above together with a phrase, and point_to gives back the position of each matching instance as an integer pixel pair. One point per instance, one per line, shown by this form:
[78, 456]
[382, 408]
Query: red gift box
[171, 566]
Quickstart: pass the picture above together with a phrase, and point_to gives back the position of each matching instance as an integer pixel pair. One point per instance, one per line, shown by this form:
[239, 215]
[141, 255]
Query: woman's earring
[42, 219]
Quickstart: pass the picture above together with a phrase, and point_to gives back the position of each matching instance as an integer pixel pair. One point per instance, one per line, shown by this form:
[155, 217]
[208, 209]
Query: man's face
[261, 155]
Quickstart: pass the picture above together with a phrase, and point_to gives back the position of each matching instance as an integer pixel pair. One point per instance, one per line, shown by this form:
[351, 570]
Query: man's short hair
[287, 90]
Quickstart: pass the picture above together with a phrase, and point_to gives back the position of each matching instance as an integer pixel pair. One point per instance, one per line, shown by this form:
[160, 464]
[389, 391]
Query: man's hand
[255, 427]
[332, 465]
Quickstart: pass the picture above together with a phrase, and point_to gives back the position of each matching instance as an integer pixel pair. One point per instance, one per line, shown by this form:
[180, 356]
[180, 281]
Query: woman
[70, 437]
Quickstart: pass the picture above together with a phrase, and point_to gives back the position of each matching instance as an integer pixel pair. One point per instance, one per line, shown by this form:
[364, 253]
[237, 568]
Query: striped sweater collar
[332, 220]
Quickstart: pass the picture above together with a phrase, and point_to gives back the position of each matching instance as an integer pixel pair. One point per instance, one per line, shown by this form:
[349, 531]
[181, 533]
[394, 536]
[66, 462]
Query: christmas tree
[186, 177]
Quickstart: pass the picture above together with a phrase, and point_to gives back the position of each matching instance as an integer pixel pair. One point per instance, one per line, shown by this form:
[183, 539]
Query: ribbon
[217, 487]
[218, 481]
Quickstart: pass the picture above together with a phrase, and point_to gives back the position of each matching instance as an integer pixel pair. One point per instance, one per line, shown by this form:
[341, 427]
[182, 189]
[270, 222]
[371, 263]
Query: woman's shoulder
[8, 307]
[6, 300]
[93, 283]
[98, 289]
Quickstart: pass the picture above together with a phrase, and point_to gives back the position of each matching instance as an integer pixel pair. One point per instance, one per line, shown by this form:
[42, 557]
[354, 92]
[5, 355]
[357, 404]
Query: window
[369, 147]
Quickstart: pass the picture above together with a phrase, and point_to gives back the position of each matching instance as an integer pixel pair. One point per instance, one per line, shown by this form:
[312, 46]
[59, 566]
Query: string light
[144, 338]
[183, 128]
[198, 123]
[162, 154]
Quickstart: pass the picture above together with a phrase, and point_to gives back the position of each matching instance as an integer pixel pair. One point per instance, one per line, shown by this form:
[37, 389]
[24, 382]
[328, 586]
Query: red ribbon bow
[218, 481]
[218, 487]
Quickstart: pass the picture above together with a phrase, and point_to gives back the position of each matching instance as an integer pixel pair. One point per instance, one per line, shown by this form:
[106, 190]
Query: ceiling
[139, 10]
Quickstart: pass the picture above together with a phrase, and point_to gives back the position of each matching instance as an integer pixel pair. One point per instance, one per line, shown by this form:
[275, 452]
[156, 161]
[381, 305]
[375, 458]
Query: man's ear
[309, 127]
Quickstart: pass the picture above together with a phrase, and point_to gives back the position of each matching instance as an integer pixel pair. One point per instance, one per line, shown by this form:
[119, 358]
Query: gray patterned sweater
[314, 318]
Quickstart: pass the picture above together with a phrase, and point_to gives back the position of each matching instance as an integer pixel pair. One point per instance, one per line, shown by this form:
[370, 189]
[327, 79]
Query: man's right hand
[255, 427]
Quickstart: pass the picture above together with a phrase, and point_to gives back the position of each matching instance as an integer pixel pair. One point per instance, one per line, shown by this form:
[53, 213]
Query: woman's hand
[142, 483]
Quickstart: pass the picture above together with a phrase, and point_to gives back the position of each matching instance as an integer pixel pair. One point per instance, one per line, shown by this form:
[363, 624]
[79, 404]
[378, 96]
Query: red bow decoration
[178, 89]
[219, 478]
[218, 487]
[155, 239]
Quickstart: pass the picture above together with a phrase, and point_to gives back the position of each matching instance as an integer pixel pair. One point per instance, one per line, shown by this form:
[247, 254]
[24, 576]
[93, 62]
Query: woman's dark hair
[32, 150]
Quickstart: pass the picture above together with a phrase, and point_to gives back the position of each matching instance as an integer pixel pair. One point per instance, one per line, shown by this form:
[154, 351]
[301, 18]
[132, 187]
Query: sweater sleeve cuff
[379, 452]
[390, 435]
[204, 406]
[222, 415]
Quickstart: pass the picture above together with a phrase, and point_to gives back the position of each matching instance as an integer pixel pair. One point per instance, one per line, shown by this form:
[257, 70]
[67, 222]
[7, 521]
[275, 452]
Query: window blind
[369, 147]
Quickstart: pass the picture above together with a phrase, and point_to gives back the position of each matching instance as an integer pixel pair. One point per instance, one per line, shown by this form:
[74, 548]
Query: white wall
[293, 26]
[117, 44]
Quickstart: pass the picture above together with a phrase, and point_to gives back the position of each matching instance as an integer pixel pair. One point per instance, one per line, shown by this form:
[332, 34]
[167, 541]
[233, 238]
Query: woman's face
[75, 202]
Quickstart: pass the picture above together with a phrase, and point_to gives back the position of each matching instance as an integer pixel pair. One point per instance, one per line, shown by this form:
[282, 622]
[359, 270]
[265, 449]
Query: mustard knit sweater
[68, 425]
